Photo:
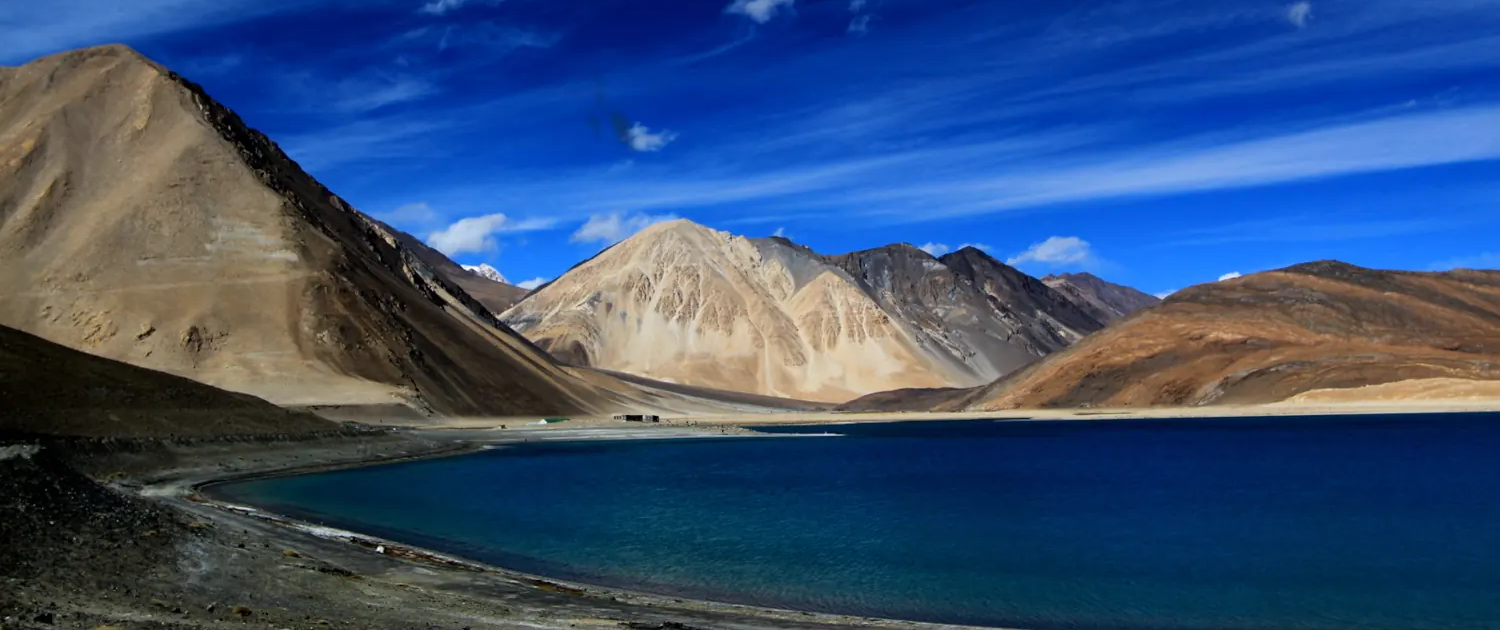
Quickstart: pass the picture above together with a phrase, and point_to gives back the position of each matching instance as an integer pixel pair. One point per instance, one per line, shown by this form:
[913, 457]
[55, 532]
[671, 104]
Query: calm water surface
[1376, 522]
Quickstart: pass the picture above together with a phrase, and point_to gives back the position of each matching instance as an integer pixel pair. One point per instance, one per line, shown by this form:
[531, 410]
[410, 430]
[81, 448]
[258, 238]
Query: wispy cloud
[761, 11]
[366, 141]
[411, 216]
[1299, 13]
[442, 7]
[860, 25]
[614, 227]
[1302, 228]
[1486, 260]
[366, 94]
[1230, 276]
[1056, 251]
[477, 234]
[532, 284]
[640, 138]
[1164, 294]
[37, 28]
[780, 232]
[935, 249]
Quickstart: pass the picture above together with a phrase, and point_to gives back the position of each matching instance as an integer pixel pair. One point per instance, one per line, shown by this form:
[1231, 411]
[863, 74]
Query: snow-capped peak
[487, 272]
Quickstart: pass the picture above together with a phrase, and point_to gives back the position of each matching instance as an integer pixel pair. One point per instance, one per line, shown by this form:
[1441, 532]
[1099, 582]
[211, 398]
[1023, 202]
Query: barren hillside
[1272, 336]
[46, 389]
[687, 304]
[141, 220]
[1105, 301]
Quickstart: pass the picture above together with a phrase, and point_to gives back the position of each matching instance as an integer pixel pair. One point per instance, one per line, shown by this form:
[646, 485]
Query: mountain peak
[487, 272]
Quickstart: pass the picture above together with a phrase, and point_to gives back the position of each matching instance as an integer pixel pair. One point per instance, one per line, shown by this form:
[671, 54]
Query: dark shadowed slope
[1271, 336]
[141, 220]
[46, 389]
[1105, 301]
[496, 296]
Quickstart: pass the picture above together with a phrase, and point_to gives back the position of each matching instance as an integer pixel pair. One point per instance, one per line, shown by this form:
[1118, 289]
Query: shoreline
[194, 494]
[750, 420]
[191, 491]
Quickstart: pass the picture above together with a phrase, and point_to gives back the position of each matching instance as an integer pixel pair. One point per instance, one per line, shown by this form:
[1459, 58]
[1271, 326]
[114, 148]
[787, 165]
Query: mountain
[487, 272]
[1105, 301]
[142, 221]
[684, 303]
[1272, 336]
[46, 389]
[493, 295]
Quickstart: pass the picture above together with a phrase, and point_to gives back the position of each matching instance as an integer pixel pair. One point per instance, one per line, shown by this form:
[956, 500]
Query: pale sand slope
[1422, 391]
[687, 304]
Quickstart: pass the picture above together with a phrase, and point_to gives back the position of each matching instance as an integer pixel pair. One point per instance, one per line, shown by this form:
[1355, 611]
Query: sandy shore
[1314, 403]
[225, 560]
[230, 566]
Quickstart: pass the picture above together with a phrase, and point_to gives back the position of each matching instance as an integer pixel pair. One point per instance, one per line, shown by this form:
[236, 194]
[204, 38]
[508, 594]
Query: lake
[1317, 522]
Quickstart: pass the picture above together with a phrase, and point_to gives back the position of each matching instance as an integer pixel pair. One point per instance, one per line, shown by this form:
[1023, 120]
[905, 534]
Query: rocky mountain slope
[1104, 301]
[1272, 336]
[687, 304]
[140, 220]
[46, 389]
[495, 295]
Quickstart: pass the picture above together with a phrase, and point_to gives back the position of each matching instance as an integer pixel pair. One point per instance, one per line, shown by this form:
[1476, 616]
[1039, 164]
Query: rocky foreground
[141, 551]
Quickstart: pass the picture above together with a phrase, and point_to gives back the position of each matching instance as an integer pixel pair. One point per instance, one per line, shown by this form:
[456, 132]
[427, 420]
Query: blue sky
[1157, 143]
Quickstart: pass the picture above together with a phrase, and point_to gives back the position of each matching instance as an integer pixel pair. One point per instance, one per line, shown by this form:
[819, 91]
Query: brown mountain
[1271, 336]
[1105, 301]
[494, 295]
[140, 220]
[684, 303]
[46, 389]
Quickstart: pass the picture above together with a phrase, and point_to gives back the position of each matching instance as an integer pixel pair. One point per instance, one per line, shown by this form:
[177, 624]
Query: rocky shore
[116, 534]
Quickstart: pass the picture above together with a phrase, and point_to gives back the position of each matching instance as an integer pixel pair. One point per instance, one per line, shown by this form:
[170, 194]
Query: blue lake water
[1371, 522]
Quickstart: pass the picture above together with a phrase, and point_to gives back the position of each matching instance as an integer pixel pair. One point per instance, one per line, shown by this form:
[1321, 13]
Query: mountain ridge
[215, 256]
[666, 304]
[1271, 336]
[1104, 300]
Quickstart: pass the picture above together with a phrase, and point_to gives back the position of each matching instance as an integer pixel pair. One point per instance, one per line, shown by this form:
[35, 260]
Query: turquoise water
[1375, 522]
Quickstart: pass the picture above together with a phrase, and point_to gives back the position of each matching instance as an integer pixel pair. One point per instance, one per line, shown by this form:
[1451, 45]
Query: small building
[636, 417]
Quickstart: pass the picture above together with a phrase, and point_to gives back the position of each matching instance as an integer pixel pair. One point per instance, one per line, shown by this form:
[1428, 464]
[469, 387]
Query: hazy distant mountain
[140, 220]
[1271, 336]
[688, 304]
[1103, 300]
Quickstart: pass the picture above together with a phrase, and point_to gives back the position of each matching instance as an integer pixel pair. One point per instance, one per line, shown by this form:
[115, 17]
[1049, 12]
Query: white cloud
[1163, 295]
[412, 216]
[441, 7]
[477, 234]
[641, 139]
[859, 25]
[616, 226]
[759, 10]
[935, 249]
[855, 6]
[1299, 13]
[366, 94]
[1056, 251]
[1230, 276]
[781, 231]
[532, 284]
[1486, 260]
